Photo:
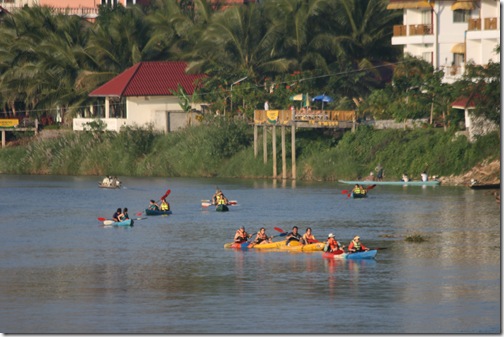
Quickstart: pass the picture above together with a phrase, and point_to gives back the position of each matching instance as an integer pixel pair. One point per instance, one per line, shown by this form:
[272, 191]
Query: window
[461, 15]
[427, 56]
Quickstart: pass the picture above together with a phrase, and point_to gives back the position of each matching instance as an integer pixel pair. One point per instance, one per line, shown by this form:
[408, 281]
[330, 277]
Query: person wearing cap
[241, 235]
[356, 245]
[333, 243]
[153, 206]
[293, 236]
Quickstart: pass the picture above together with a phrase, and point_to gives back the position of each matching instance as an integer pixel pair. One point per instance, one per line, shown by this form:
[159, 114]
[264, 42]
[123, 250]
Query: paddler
[308, 237]
[165, 206]
[332, 243]
[356, 245]
[261, 237]
[241, 235]
[293, 236]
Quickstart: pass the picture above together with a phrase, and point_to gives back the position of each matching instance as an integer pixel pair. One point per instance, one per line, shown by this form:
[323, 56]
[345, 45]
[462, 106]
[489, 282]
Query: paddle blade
[205, 204]
[166, 194]
[102, 219]
[344, 192]
[371, 187]
[139, 213]
[278, 229]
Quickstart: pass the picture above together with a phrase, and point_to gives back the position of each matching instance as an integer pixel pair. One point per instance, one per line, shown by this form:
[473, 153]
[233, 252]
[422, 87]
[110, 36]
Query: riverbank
[225, 149]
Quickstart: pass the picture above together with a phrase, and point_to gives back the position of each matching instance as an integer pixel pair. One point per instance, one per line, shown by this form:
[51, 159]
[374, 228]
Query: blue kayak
[127, 222]
[370, 254]
[359, 195]
[153, 212]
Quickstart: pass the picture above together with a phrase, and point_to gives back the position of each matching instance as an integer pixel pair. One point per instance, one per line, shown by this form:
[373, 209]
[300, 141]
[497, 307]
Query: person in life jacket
[261, 237]
[358, 189]
[308, 237]
[356, 245]
[153, 206]
[241, 235]
[293, 236]
[332, 243]
[221, 199]
[165, 206]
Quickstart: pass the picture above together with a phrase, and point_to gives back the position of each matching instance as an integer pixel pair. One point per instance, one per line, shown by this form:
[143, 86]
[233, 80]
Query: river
[63, 272]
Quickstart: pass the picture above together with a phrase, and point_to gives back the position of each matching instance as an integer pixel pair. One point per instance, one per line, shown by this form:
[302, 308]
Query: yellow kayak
[271, 245]
[297, 247]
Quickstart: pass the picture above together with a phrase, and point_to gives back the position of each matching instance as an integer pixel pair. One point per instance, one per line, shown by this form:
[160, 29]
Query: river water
[61, 271]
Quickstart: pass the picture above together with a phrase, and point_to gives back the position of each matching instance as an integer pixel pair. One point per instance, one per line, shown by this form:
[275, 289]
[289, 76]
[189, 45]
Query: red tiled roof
[149, 79]
[463, 103]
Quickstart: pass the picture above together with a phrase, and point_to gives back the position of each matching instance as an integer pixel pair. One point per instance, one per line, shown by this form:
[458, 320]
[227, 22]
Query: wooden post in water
[284, 164]
[255, 140]
[273, 140]
[293, 149]
[265, 144]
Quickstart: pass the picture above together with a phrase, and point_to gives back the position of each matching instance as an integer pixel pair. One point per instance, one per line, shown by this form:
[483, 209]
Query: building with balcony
[449, 33]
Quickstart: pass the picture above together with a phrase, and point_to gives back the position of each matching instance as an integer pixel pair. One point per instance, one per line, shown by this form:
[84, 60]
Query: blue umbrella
[323, 99]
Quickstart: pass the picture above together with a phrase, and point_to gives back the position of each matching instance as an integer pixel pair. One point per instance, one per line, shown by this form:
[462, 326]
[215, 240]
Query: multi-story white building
[449, 33]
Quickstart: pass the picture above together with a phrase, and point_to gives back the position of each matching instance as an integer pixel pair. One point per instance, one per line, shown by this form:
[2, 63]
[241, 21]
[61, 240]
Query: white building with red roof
[143, 96]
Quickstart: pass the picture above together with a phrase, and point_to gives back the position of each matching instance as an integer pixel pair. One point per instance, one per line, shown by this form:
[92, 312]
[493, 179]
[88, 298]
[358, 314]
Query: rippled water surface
[62, 272]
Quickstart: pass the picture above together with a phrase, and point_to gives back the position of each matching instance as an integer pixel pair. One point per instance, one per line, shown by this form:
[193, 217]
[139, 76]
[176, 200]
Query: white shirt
[266, 105]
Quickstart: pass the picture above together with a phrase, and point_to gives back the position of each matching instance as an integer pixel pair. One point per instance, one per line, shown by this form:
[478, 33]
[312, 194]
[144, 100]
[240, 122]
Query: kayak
[312, 247]
[127, 222]
[236, 245]
[340, 254]
[269, 245]
[222, 208]
[230, 203]
[109, 187]
[358, 195]
[400, 183]
[153, 212]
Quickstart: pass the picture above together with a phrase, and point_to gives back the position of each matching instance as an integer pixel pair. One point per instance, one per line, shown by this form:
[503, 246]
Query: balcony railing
[490, 23]
[420, 29]
[474, 24]
[402, 30]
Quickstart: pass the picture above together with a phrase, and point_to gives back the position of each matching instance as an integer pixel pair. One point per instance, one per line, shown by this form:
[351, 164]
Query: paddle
[370, 187]
[102, 219]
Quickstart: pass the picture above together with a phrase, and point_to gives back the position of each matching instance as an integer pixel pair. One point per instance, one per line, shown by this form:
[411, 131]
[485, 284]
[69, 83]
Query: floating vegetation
[416, 238]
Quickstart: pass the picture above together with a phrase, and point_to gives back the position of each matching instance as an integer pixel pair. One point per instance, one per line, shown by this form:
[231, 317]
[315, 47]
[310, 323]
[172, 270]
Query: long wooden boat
[340, 254]
[398, 183]
[485, 186]
[127, 222]
[153, 212]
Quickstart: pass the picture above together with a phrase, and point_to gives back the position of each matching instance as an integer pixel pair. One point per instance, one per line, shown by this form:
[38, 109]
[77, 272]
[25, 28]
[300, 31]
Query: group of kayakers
[358, 189]
[218, 198]
[110, 181]
[332, 245]
[120, 215]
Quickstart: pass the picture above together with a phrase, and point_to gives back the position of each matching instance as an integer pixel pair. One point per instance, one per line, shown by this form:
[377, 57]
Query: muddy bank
[484, 173]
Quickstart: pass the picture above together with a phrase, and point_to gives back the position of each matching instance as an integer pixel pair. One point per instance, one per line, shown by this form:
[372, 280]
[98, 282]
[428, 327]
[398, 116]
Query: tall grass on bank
[224, 148]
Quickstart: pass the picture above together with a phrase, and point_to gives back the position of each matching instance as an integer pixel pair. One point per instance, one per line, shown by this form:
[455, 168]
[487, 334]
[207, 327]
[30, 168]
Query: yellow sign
[272, 116]
[8, 123]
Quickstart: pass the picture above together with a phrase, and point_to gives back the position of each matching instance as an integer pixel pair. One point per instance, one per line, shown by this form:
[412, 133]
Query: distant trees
[283, 47]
